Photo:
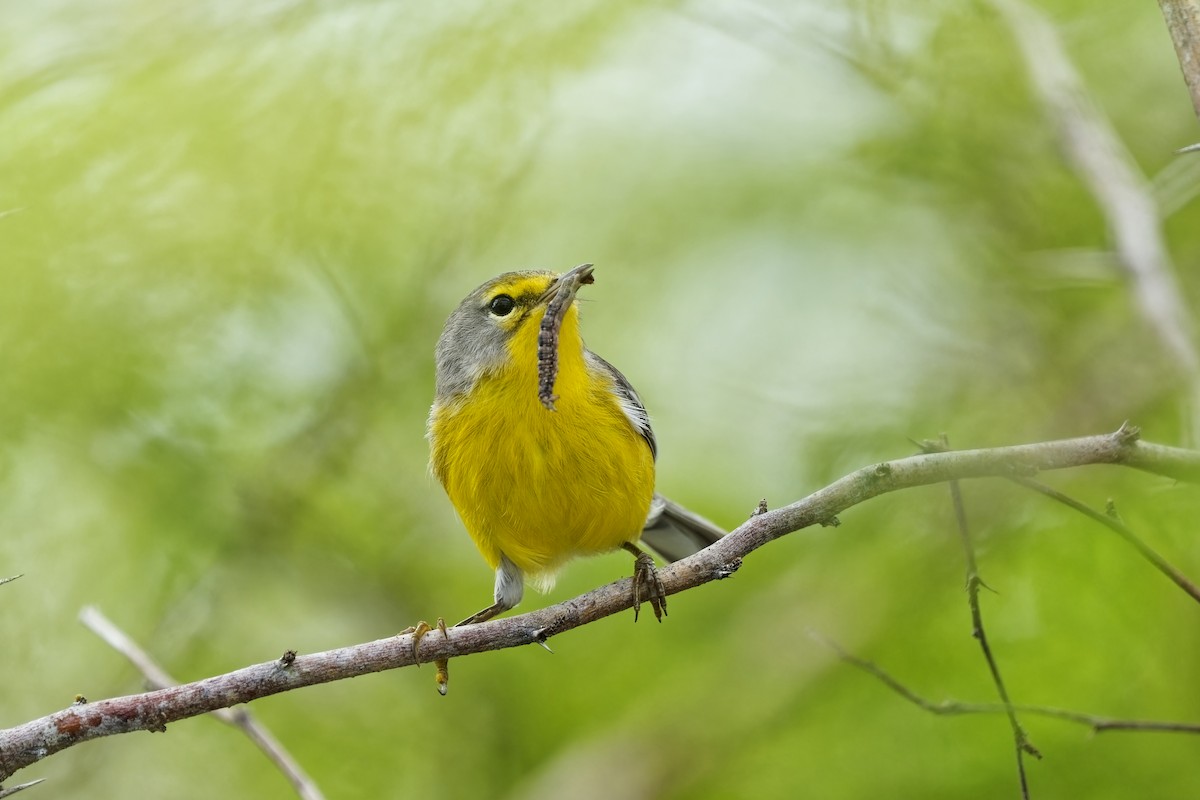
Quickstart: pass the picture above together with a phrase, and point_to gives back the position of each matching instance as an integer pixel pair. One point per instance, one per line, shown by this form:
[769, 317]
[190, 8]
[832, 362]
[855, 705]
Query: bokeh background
[231, 233]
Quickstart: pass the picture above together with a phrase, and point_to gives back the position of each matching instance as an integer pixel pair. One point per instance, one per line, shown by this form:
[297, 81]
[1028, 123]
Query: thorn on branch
[10, 792]
[1127, 434]
[927, 446]
[540, 636]
[1110, 508]
[288, 658]
[975, 583]
[760, 509]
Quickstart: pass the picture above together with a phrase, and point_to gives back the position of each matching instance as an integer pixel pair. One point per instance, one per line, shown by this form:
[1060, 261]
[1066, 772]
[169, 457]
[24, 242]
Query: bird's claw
[442, 676]
[648, 587]
[419, 632]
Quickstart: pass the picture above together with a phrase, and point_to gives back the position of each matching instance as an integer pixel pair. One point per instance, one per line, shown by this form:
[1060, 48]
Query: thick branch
[28, 743]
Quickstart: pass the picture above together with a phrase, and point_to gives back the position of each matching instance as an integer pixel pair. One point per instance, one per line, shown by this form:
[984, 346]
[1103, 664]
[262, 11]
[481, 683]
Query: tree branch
[1121, 192]
[1021, 743]
[1114, 523]
[27, 744]
[159, 678]
[952, 708]
[1183, 23]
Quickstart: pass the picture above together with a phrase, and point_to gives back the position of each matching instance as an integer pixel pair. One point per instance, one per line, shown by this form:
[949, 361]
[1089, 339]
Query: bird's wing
[672, 530]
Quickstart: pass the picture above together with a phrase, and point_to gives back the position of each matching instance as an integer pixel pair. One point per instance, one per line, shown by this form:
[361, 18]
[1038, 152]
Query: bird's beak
[567, 284]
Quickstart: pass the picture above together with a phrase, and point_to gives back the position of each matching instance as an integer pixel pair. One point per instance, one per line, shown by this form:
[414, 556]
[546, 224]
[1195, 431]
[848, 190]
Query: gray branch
[158, 678]
[1183, 23]
[1111, 175]
[29, 743]
[1121, 192]
[9, 792]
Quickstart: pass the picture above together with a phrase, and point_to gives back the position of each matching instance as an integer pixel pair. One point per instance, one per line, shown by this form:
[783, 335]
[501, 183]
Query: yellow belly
[539, 486]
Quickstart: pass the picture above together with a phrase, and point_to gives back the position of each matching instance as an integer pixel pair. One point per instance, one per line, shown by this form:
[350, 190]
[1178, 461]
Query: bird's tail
[674, 532]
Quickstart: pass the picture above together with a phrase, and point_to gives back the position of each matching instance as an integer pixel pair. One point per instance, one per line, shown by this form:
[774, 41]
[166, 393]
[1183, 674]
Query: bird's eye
[502, 305]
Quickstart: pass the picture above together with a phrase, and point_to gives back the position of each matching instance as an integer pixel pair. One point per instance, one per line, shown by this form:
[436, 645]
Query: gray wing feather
[671, 530]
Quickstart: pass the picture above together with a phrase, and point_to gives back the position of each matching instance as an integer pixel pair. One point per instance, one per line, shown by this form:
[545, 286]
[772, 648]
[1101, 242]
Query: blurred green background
[232, 232]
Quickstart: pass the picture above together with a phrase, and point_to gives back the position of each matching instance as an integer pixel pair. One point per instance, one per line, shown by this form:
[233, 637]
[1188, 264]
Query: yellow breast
[543, 486]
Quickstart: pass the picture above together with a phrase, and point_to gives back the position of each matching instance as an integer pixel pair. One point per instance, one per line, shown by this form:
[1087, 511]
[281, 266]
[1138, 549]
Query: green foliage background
[232, 232]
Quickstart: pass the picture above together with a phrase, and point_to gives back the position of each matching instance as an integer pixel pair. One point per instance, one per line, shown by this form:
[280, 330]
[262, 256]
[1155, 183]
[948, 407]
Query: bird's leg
[646, 584]
[483, 616]
[510, 588]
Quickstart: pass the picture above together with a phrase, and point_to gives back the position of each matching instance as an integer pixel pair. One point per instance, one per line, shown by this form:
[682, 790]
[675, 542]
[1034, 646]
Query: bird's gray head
[475, 339]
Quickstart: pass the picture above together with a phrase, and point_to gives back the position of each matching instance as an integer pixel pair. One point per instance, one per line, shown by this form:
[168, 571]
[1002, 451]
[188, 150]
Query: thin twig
[1114, 523]
[95, 621]
[1111, 175]
[9, 579]
[1021, 741]
[32, 741]
[240, 718]
[9, 792]
[1098, 724]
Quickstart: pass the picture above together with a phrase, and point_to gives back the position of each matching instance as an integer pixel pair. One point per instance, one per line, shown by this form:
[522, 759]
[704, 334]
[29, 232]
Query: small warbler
[543, 447]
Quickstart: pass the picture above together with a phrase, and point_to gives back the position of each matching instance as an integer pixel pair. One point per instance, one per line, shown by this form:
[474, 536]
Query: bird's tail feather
[674, 532]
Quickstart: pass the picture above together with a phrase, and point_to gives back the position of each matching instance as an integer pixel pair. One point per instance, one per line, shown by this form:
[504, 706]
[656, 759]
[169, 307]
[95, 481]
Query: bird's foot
[646, 584]
[418, 632]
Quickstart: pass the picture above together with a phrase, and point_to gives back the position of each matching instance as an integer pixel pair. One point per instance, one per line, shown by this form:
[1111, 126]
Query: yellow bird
[543, 447]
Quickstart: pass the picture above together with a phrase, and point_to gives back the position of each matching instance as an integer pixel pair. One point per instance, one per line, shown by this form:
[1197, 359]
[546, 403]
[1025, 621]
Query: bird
[543, 447]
